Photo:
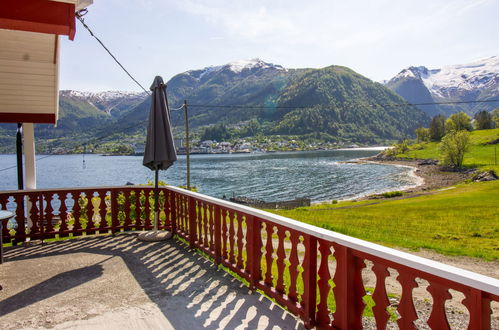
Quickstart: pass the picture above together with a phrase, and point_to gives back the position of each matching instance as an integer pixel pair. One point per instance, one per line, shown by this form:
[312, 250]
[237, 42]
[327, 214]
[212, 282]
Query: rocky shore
[433, 176]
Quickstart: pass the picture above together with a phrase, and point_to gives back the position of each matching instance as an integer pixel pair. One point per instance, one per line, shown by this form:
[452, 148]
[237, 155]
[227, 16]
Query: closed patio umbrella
[159, 152]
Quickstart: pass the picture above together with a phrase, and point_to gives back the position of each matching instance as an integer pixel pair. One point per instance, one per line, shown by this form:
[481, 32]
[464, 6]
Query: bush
[423, 134]
[391, 194]
[453, 147]
[399, 148]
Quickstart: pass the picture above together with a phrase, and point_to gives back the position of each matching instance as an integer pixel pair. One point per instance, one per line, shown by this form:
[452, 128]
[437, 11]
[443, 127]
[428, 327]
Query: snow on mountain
[240, 65]
[236, 67]
[480, 74]
[103, 96]
[457, 79]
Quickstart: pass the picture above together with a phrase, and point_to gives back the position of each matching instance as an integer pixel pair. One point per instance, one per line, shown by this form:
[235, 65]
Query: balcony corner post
[310, 281]
[192, 222]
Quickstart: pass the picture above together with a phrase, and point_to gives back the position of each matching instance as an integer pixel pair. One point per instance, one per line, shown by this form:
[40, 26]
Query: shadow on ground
[121, 281]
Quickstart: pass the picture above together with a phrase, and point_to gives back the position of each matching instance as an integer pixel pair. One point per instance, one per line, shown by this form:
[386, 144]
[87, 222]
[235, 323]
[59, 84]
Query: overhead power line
[237, 106]
[80, 15]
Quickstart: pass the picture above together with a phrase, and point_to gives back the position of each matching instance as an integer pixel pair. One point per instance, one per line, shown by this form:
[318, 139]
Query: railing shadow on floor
[188, 288]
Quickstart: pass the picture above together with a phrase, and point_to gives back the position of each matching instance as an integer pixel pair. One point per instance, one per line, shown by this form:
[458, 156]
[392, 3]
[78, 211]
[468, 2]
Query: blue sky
[375, 38]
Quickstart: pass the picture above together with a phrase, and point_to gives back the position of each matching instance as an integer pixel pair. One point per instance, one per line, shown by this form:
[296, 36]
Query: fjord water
[318, 175]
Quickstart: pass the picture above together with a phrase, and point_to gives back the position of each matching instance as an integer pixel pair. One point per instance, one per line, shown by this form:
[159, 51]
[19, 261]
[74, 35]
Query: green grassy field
[463, 220]
[460, 220]
[481, 155]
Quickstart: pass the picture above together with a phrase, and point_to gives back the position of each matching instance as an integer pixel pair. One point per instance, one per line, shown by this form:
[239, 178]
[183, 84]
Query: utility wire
[80, 15]
[349, 105]
[11, 167]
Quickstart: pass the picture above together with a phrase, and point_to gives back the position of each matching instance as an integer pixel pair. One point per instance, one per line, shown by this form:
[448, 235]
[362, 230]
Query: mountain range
[253, 97]
[475, 81]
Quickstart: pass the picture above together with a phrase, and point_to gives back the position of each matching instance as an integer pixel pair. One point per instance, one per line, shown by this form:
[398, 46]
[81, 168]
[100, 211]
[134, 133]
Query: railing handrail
[75, 188]
[458, 275]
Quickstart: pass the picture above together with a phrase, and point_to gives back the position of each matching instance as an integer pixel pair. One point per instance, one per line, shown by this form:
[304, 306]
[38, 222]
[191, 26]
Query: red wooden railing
[313, 272]
[42, 214]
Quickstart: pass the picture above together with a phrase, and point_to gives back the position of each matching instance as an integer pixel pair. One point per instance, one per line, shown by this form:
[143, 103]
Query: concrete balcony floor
[105, 282]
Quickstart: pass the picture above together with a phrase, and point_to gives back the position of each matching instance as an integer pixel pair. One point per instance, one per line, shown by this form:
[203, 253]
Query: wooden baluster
[63, 214]
[479, 307]
[182, 203]
[281, 255]
[128, 220]
[380, 296]
[231, 237]
[76, 213]
[323, 319]
[147, 210]
[138, 219]
[240, 243]
[208, 225]
[293, 265]
[90, 229]
[169, 224]
[224, 234]
[178, 208]
[102, 212]
[20, 219]
[114, 211]
[5, 230]
[309, 297]
[212, 227]
[48, 214]
[199, 223]
[192, 222]
[269, 250]
[254, 250]
[173, 212]
[34, 231]
[204, 211]
[217, 219]
[406, 306]
[349, 289]
[438, 319]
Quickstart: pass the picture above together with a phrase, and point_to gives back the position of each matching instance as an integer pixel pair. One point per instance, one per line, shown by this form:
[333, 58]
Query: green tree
[218, 132]
[423, 134]
[437, 128]
[483, 120]
[458, 122]
[453, 147]
[495, 116]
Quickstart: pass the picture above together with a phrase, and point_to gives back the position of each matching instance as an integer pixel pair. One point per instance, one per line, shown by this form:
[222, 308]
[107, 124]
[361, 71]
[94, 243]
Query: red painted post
[114, 211]
[479, 308]
[173, 212]
[254, 250]
[192, 222]
[218, 234]
[309, 300]
[439, 293]
[20, 219]
[349, 289]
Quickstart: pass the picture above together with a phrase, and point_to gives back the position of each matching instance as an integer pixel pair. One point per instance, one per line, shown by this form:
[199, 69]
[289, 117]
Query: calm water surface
[319, 175]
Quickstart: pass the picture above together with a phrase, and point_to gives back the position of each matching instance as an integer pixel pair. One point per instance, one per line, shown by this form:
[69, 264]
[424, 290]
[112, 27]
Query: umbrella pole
[156, 200]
